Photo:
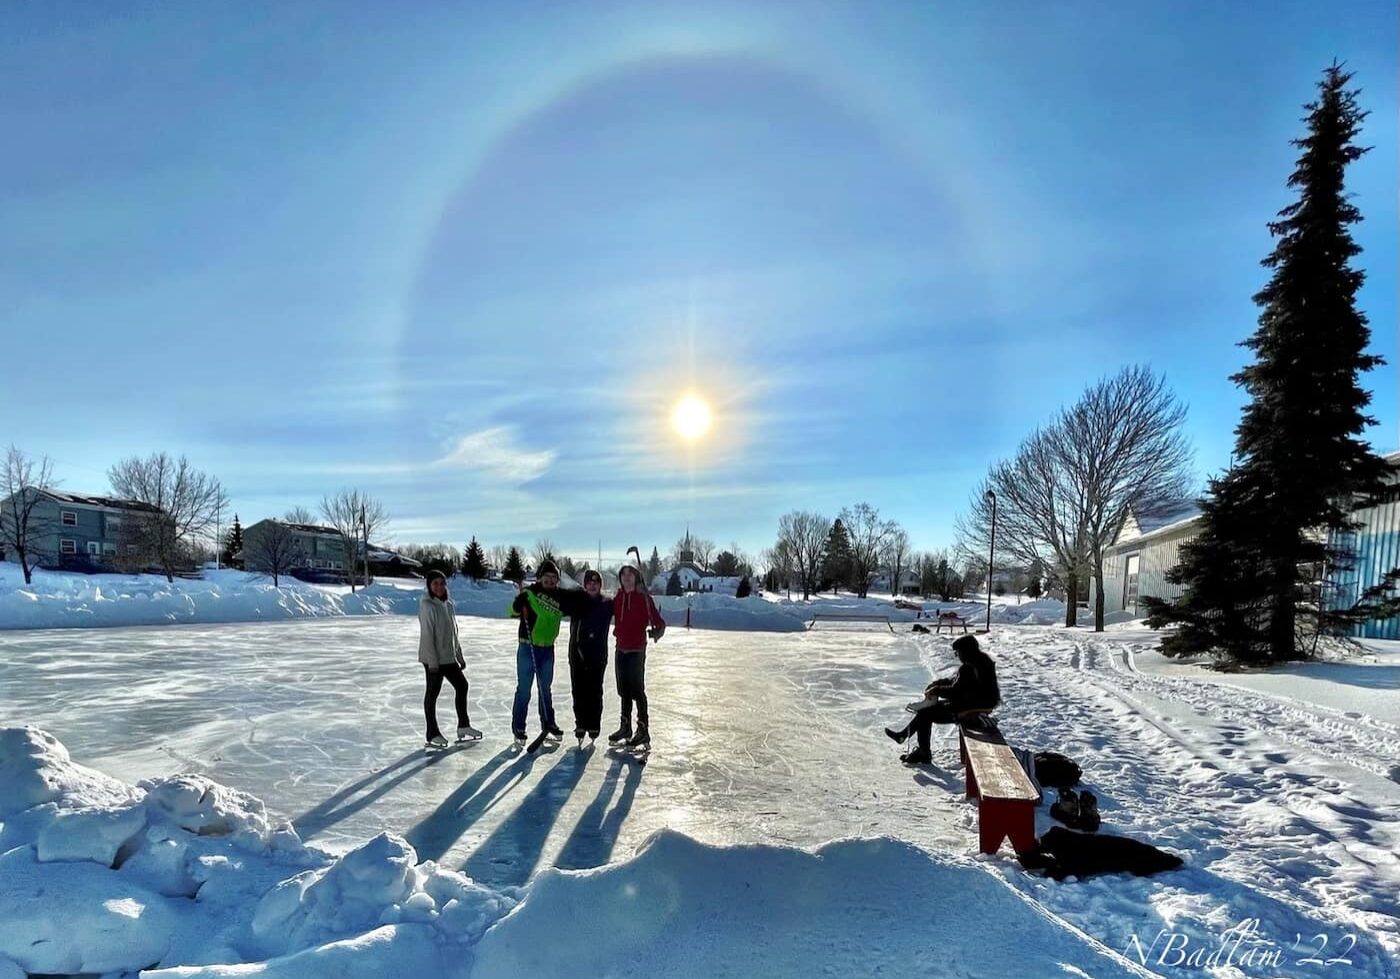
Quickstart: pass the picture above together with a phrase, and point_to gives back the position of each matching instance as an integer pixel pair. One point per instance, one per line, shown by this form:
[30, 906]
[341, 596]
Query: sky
[467, 257]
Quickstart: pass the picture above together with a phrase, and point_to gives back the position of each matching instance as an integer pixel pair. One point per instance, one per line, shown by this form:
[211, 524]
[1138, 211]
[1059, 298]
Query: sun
[691, 418]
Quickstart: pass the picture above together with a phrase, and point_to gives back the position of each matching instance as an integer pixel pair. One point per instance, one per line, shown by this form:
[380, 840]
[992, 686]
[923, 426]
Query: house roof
[109, 502]
[1165, 516]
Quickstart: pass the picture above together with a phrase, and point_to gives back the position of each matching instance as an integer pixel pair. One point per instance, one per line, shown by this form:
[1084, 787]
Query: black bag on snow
[1055, 770]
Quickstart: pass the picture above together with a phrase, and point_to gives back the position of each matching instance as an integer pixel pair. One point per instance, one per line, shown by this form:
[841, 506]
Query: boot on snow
[917, 756]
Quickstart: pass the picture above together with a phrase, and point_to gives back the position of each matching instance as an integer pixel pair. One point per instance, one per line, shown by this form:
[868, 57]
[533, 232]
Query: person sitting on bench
[972, 689]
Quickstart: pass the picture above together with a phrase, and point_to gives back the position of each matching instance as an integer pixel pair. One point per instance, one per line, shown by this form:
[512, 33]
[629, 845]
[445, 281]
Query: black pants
[452, 674]
[923, 722]
[632, 685]
[586, 679]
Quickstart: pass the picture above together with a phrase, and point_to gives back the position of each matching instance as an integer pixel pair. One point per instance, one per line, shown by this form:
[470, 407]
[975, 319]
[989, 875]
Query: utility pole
[364, 530]
[991, 557]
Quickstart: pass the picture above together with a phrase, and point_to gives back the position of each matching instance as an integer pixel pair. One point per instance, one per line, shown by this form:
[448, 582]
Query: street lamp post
[991, 556]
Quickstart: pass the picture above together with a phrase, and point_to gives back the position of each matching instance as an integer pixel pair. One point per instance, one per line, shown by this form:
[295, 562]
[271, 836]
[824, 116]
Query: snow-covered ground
[1286, 809]
[62, 600]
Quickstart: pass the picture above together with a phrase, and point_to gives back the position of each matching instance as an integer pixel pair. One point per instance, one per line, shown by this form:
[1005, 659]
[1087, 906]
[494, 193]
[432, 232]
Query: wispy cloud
[497, 452]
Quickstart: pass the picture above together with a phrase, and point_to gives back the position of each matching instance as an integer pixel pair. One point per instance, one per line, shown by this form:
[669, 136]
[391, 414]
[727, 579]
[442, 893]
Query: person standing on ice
[440, 652]
[635, 617]
[541, 609]
[588, 657]
[974, 687]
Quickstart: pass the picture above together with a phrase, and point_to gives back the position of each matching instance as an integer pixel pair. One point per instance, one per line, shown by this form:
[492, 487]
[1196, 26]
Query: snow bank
[681, 908]
[206, 885]
[100, 876]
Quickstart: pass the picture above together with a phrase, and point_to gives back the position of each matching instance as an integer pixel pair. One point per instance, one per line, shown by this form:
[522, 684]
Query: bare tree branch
[23, 483]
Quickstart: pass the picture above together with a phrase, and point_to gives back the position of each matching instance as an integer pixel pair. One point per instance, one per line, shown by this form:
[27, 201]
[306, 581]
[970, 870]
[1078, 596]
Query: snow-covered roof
[109, 502]
[1165, 516]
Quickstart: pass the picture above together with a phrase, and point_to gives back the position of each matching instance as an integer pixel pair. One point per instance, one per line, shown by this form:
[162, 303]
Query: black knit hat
[546, 567]
[592, 575]
[966, 644]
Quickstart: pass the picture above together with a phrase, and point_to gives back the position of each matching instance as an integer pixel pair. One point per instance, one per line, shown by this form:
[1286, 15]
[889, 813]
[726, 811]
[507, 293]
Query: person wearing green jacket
[541, 609]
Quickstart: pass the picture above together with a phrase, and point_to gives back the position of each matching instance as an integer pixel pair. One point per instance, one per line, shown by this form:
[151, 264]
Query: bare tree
[496, 556]
[780, 562]
[868, 535]
[300, 515]
[185, 505]
[355, 516]
[802, 538]
[23, 484]
[544, 548]
[1041, 513]
[275, 550]
[1122, 446]
[897, 554]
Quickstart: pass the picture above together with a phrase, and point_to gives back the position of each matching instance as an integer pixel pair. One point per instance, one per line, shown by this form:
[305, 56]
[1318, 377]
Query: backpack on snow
[1054, 769]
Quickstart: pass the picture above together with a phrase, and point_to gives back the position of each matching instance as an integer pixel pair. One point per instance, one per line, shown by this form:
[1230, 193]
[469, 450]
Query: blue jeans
[533, 664]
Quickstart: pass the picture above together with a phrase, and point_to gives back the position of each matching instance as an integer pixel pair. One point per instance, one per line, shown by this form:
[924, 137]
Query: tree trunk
[1098, 594]
[1071, 600]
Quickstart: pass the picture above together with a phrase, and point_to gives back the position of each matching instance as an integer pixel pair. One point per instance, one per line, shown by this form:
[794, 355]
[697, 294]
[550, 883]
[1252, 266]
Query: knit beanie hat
[966, 644]
[546, 567]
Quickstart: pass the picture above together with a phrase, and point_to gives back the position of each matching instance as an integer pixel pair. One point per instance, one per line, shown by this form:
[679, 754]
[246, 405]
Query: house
[78, 531]
[691, 575]
[908, 582]
[319, 553]
[1146, 548]
[1136, 564]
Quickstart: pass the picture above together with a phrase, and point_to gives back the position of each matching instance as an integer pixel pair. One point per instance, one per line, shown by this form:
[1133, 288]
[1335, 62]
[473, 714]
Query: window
[68, 546]
[69, 517]
[131, 550]
[109, 548]
[94, 547]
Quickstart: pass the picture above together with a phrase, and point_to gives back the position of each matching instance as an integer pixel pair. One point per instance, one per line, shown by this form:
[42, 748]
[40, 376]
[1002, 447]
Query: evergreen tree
[745, 589]
[515, 568]
[1252, 578]
[653, 565]
[673, 584]
[474, 561]
[836, 562]
[233, 543]
[1035, 585]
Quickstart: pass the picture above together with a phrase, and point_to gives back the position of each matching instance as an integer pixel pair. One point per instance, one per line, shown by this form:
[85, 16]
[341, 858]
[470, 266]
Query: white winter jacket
[438, 644]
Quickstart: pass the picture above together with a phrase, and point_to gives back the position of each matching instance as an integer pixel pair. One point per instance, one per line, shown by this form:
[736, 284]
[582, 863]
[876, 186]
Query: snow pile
[58, 600]
[100, 876]
[684, 909]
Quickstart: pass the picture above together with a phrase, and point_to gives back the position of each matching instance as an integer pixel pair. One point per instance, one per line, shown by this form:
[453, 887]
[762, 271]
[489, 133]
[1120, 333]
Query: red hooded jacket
[633, 613]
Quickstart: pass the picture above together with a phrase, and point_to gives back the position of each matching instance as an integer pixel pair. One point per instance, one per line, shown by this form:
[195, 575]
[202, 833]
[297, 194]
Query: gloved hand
[656, 632]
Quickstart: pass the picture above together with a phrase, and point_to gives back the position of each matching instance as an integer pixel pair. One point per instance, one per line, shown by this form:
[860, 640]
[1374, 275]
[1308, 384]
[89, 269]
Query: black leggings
[632, 685]
[586, 679]
[923, 722]
[452, 674]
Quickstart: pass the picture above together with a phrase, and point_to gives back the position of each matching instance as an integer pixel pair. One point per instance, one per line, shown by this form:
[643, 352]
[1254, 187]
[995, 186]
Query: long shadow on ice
[434, 834]
[509, 855]
[341, 806]
[595, 835]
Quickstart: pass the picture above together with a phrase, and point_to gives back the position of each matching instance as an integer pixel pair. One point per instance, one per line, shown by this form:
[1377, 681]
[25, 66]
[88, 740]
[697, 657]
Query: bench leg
[998, 819]
[970, 775]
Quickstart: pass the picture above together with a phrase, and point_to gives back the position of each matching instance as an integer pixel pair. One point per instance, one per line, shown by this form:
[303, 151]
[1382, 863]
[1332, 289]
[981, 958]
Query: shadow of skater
[509, 855]
[434, 834]
[335, 808]
[592, 841]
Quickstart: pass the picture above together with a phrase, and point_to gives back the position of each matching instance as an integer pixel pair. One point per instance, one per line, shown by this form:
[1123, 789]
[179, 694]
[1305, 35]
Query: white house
[908, 582]
[1135, 565]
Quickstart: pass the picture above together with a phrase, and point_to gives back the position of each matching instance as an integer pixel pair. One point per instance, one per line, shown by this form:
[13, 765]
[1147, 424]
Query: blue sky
[468, 256]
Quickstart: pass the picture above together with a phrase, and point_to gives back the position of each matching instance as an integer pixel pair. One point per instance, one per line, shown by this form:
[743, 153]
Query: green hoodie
[541, 612]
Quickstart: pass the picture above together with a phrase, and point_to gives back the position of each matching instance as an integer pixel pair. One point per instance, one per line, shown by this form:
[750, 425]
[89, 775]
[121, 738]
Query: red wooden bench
[995, 777]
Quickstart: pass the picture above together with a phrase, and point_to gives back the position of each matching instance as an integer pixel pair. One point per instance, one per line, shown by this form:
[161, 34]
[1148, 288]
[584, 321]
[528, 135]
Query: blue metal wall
[1377, 549]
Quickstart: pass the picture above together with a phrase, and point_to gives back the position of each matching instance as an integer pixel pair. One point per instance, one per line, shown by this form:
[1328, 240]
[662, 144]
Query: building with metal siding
[1136, 565]
[1376, 549]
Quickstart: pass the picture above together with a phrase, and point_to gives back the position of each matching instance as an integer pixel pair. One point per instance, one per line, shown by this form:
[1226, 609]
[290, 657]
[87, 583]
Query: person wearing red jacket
[635, 617]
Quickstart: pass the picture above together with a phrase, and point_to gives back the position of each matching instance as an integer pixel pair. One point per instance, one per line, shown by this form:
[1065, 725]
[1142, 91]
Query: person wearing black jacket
[588, 656]
[973, 687]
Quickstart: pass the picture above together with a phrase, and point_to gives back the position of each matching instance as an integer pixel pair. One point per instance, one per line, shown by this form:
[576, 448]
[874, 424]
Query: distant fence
[849, 617]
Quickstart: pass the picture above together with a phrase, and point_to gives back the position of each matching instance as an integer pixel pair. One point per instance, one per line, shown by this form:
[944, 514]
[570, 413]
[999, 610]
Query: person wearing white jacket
[440, 652]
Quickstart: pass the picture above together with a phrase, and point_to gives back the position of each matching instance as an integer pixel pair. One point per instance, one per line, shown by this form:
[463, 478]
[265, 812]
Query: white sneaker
[468, 733]
[437, 742]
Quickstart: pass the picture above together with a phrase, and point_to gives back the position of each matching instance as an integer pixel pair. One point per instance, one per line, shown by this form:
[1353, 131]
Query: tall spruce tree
[515, 568]
[1277, 522]
[653, 564]
[836, 562]
[474, 561]
[233, 543]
